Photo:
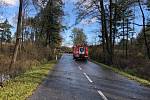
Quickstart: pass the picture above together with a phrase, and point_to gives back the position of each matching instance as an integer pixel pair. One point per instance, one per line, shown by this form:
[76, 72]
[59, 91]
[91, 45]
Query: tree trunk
[133, 27]
[123, 34]
[103, 35]
[145, 38]
[127, 38]
[104, 26]
[115, 28]
[17, 35]
[110, 36]
[22, 31]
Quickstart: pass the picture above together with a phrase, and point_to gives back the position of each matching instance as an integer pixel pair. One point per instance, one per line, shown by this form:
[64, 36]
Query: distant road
[76, 80]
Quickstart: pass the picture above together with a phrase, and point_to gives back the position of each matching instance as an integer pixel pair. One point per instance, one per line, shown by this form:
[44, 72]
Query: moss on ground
[22, 86]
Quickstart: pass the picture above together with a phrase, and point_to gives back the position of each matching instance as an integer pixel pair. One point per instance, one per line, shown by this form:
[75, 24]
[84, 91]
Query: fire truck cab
[80, 52]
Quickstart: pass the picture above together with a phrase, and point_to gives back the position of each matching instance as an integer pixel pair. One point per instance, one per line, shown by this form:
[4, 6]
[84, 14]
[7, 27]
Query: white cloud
[9, 2]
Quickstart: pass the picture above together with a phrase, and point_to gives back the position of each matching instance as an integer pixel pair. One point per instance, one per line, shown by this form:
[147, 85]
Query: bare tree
[17, 35]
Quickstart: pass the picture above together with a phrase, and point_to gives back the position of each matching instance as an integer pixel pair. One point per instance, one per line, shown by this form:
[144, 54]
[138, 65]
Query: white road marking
[80, 68]
[99, 92]
[88, 78]
[102, 95]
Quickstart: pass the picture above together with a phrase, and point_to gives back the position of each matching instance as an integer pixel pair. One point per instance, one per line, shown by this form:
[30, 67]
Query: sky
[10, 12]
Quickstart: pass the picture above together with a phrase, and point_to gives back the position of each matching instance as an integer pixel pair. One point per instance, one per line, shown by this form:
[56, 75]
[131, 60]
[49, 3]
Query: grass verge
[135, 78]
[22, 86]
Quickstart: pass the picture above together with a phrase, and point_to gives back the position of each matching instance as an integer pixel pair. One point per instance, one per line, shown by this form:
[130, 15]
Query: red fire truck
[80, 52]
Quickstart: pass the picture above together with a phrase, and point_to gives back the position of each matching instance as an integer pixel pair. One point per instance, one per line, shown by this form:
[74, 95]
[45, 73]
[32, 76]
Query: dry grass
[30, 55]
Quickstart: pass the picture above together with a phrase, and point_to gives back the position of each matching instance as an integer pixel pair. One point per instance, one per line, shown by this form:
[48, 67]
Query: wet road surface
[76, 80]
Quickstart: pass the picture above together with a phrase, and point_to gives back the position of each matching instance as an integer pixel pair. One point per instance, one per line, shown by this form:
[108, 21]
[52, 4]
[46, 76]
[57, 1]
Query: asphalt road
[76, 80]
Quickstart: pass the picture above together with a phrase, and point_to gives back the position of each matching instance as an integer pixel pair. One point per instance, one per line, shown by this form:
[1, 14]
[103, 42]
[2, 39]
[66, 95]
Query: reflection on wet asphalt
[78, 80]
